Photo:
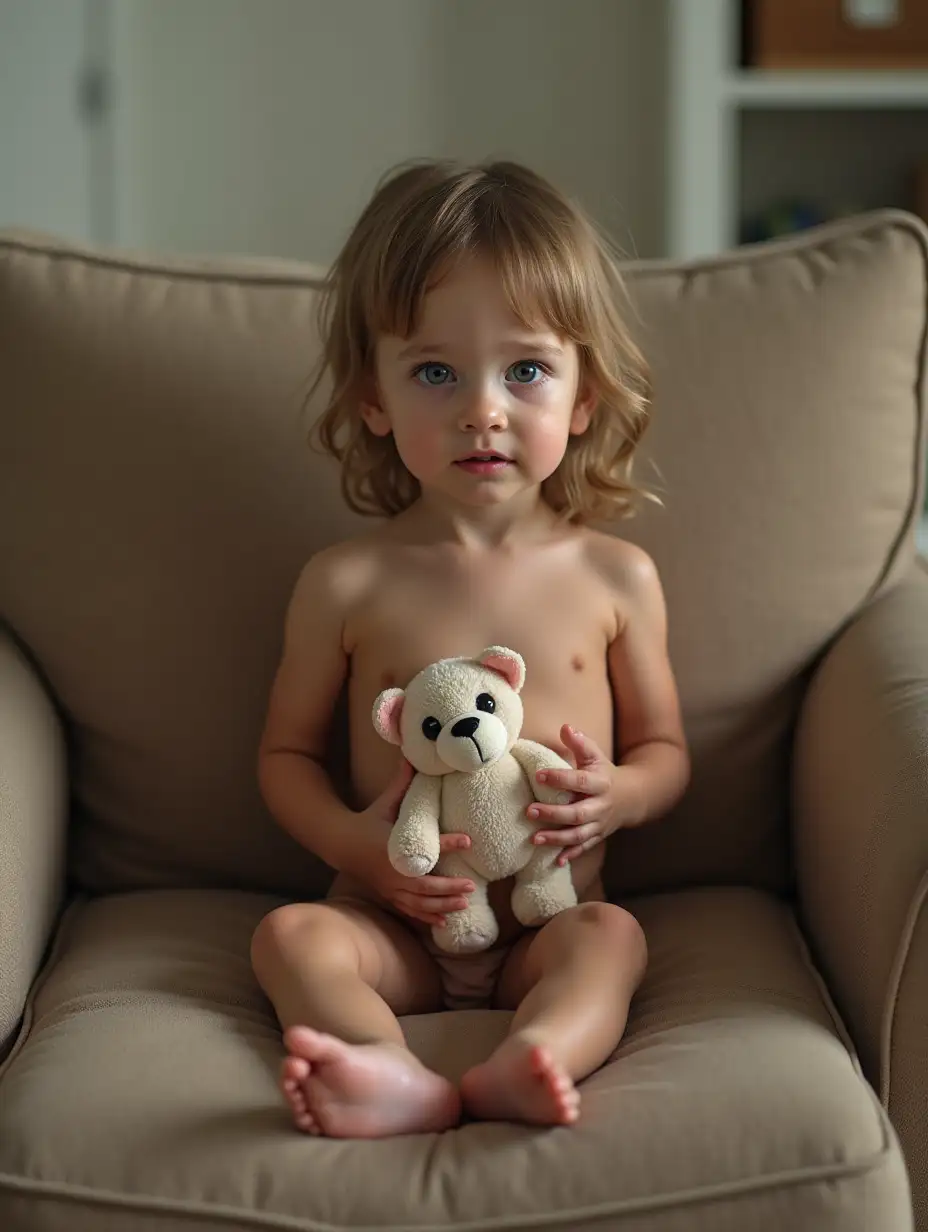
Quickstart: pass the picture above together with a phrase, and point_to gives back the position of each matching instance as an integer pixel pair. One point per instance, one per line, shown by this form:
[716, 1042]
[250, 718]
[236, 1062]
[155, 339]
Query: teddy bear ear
[511, 666]
[386, 714]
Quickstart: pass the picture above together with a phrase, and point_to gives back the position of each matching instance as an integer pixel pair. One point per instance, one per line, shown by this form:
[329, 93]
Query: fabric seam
[894, 984]
[293, 1223]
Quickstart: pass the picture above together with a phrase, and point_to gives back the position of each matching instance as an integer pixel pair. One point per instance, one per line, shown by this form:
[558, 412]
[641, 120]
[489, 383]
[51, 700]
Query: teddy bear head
[456, 714]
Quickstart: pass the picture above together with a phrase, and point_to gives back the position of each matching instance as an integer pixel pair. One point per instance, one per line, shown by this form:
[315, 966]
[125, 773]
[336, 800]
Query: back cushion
[157, 501]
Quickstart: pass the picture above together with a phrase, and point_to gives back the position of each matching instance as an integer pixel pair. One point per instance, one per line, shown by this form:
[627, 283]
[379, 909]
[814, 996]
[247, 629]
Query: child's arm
[652, 761]
[291, 772]
[650, 739]
[293, 781]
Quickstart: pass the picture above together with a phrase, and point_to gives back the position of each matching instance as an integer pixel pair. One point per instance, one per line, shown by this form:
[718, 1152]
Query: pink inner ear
[507, 663]
[387, 711]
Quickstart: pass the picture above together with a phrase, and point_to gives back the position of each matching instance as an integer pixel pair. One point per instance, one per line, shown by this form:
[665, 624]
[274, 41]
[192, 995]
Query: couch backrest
[157, 502]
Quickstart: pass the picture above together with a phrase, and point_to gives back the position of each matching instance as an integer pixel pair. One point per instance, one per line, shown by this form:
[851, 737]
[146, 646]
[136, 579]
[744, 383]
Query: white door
[55, 175]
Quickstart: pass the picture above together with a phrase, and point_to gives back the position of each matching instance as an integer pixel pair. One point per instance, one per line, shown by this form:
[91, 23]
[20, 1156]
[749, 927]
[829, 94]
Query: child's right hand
[427, 898]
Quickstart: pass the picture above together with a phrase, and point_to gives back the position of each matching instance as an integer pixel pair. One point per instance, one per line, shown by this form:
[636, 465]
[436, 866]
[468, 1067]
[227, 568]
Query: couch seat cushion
[142, 1094]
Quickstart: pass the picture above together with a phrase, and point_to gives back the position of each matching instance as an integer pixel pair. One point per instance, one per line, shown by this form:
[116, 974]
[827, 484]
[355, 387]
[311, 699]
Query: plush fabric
[474, 776]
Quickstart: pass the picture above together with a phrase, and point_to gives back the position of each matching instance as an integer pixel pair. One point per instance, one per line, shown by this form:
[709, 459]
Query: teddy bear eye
[486, 702]
[431, 728]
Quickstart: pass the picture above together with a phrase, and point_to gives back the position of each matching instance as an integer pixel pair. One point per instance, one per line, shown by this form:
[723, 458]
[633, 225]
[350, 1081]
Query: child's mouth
[483, 463]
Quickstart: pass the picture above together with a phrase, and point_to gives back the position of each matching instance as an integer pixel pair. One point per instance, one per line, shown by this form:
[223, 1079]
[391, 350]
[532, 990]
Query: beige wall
[261, 126]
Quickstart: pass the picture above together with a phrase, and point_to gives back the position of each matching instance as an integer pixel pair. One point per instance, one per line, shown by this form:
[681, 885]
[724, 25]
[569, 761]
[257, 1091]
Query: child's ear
[372, 411]
[376, 418]
[584, 406]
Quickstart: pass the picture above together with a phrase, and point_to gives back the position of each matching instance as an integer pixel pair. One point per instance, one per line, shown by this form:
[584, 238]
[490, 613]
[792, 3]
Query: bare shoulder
[316, 650]
[337, 578]
[640, 671]
[627, 570]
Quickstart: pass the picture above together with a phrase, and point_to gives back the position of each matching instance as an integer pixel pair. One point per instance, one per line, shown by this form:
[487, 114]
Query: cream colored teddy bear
[458, 723]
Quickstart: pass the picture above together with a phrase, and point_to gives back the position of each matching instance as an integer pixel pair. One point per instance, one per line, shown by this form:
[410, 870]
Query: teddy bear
[458, 722]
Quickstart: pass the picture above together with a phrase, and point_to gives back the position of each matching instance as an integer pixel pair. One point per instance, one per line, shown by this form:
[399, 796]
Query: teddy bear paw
[467, 940]
[532, 906]
[412, 866]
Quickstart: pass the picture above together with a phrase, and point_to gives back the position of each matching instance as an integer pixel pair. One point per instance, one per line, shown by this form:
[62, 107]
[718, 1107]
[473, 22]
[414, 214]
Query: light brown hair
[556, 269]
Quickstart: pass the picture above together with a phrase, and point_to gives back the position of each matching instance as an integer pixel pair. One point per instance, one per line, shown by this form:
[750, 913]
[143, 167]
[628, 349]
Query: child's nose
[482, 412]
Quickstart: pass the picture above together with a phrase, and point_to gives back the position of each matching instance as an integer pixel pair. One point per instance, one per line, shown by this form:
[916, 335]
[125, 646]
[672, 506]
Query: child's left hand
[605, 799]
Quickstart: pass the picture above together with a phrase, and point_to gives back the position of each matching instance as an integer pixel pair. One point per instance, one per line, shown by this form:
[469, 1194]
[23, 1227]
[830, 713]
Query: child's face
[480, 407]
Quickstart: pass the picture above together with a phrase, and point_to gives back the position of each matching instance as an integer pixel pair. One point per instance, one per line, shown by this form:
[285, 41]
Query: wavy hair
[556, 268]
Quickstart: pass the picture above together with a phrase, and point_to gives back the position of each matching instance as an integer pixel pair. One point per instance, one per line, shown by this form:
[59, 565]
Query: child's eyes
[523, 372]
[433, 374]
[527, 372]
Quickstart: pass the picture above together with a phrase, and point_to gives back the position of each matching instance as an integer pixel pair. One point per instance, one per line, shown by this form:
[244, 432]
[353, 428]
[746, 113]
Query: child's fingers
[572, 853]
[439, 906]
[432, 886]
[585, 750]
[416, 911]
[562, 814]
[433, 921]
[555, 838]
[568, 837]
[584, 782]
[435, 904]
[454, 842]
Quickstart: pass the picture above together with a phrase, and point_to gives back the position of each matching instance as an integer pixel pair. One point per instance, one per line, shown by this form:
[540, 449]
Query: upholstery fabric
[145, 1085]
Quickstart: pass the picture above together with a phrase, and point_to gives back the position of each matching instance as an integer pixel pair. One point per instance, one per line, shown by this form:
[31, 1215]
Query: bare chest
[561, 623]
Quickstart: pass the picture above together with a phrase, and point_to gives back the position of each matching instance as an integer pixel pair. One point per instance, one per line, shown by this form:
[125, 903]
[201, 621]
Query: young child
[487, 398]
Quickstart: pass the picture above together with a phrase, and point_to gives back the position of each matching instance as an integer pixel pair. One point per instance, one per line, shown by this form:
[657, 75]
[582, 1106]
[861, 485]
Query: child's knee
[298, 928]
[614, 928]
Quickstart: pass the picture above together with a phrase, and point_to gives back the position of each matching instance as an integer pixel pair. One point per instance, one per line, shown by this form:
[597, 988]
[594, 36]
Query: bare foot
[521, 1082]
[362, 1090]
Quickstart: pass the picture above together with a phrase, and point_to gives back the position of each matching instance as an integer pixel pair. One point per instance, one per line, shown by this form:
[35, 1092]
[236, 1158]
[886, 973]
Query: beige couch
[156, 503]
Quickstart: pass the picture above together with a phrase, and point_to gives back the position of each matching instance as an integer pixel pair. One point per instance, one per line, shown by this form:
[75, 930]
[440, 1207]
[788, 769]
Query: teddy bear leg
[543, 888]
[474, 928]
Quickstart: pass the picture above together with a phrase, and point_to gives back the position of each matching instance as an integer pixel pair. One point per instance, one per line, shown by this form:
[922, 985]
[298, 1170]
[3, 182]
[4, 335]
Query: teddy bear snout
[472, 742]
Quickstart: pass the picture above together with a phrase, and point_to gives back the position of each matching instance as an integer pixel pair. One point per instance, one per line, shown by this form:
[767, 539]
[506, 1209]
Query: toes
[543, 1067]
[301, 1042]
[558, 1083]
[306, 1123]
[541, 1061]
[569, 1106]
[294, 1069]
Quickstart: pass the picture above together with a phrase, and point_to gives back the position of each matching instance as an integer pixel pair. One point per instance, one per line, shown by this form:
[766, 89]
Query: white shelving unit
[737, 135]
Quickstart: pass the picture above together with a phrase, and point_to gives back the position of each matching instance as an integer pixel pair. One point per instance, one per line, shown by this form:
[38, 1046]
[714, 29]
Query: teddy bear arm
[533, 757]
[414, 842]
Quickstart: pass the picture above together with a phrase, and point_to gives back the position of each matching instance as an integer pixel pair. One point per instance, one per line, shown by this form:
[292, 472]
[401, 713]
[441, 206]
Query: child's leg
[572, 982]
[337, 974]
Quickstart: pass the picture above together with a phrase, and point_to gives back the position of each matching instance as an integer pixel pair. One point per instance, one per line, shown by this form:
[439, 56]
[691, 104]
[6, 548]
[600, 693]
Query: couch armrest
[33, 825]
[861, 843]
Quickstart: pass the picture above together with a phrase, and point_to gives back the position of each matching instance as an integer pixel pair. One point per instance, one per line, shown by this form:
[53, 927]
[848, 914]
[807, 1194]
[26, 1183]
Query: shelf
[869, 90]
[921, 536]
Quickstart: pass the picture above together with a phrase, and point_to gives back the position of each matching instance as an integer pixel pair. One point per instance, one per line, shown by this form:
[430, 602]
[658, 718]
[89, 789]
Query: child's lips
[483, 464]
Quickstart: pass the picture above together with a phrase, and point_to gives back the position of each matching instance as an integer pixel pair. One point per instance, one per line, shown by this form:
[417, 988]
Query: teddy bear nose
[465, 727]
